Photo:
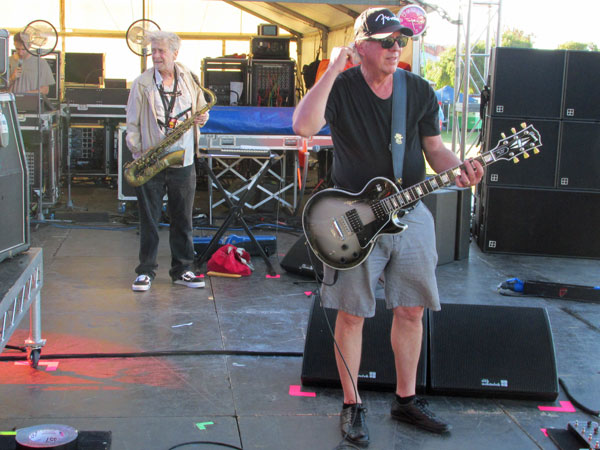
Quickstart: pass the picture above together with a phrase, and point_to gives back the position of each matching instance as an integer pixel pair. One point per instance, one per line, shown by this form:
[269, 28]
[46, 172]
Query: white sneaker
[190, 279]
[141, 283]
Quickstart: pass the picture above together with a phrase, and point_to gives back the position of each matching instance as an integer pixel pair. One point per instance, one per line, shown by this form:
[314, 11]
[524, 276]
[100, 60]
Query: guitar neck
[417, 191]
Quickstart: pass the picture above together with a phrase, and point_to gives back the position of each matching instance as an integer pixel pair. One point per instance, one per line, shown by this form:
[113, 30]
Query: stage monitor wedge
[377, 371]
[492, 351]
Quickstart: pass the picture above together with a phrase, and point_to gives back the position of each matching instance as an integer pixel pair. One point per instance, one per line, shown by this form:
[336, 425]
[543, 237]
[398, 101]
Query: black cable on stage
[575, 402]
[159, 354]
[222, 444]
[344, 443]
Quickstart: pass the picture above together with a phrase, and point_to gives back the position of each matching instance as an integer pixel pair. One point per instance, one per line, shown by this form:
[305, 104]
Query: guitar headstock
[519, 143]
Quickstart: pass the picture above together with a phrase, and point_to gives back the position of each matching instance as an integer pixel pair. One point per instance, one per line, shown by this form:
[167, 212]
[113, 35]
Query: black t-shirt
[360, 124]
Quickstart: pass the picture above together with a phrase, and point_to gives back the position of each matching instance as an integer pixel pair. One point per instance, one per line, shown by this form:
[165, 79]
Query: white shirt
[182, 102]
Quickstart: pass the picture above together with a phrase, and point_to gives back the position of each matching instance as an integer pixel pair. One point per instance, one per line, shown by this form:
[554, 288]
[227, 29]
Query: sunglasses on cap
[389, 41]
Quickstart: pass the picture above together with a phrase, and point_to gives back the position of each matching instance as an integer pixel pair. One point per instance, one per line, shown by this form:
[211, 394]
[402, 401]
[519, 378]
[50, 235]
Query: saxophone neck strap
[168, 101]
[398, 128]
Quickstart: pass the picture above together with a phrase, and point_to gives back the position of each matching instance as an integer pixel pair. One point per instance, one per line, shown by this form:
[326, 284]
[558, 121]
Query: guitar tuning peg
[536, 150]
[523, 125]
[525, 155]
[513, 130]
[515, 160]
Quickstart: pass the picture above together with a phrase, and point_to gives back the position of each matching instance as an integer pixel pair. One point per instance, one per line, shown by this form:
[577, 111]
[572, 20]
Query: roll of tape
[53, 436]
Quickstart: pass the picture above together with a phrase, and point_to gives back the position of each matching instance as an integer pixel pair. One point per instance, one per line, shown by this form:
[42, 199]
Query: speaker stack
[467, 350]
[548, 204]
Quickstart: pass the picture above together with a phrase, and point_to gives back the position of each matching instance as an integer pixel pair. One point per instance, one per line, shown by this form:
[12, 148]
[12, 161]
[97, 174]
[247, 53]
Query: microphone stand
[41, 136]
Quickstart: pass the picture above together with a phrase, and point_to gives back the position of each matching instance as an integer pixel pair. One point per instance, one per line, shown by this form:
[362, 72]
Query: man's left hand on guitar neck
[471, 173]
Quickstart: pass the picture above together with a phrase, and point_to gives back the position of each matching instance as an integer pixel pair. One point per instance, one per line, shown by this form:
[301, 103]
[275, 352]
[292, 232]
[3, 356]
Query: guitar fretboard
[507, 149]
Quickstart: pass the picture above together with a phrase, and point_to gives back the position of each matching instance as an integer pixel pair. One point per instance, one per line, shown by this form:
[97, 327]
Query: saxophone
[158, 158]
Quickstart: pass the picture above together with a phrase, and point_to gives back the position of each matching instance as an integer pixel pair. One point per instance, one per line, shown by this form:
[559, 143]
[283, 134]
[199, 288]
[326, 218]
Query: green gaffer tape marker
[202, 426]
[8, 433]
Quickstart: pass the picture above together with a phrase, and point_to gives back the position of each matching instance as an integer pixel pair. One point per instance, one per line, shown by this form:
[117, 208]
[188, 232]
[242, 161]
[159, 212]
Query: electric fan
[40, 37]
[137, 38]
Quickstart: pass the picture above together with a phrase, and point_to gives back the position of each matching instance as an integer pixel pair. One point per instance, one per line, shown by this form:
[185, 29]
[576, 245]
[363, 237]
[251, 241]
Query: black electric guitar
[341, 227]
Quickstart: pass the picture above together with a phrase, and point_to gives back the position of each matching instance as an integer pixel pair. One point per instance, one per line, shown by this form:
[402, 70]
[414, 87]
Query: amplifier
[273, 83]
[227, 78]
[270, 47]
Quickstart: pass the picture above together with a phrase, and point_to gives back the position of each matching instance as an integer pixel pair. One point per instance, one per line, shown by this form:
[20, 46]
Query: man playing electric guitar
[357, 105]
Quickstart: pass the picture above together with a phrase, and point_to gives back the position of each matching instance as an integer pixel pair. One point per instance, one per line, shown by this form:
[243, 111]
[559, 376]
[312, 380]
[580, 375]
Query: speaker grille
[492, 351]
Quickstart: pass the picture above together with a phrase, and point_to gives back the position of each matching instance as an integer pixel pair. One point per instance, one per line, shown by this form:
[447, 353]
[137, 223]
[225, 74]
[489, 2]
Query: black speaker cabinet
[301, 260]
[443, 206]
[526, 83]
[14, 198]
[463, 222]
[377, 370]
[539, 222]
[579, 164]
[537, 170]
[125, 190]
[492, 351]
[582, 97]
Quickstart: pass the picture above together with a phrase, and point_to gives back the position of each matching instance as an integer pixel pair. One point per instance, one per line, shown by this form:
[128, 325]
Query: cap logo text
[383, 19]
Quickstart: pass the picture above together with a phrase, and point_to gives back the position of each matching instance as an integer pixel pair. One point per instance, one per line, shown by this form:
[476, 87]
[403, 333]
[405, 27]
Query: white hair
[173, 41]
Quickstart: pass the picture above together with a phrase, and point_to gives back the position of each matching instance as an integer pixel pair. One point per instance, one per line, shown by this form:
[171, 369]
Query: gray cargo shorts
[406, 263]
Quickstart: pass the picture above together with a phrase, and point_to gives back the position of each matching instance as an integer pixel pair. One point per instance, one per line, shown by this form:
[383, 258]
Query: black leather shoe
[417, 413]
[354, 426]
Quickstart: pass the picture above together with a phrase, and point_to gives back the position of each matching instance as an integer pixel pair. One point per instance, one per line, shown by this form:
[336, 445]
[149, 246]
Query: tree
[570, 45]
[442, 72]
[516, 38]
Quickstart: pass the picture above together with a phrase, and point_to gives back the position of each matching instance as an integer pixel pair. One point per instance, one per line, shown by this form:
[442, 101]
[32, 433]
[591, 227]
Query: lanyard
[168, 104]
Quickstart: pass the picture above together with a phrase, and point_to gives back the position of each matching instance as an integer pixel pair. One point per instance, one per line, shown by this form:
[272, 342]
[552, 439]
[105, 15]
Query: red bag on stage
[230, 259]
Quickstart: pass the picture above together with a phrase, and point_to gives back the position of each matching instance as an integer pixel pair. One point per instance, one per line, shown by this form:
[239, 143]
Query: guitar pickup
[353, 218]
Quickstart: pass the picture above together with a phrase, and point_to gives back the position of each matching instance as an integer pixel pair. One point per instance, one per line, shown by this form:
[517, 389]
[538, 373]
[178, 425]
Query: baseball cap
[378, 23]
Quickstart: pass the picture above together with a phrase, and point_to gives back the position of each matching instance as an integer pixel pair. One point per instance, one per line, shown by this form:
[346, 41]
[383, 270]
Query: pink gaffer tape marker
[544, 431]
[296, 392]
[564, 407]
[273, 276]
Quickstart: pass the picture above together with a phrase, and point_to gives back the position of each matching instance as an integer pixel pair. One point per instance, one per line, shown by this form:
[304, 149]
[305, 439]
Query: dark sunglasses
[389, 42]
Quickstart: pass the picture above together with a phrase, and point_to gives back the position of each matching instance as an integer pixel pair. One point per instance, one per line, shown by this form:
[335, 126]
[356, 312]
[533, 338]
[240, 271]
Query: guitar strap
[398, 138]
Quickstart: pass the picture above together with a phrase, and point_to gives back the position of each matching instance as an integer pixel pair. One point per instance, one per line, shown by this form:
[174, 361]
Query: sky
[551, 22]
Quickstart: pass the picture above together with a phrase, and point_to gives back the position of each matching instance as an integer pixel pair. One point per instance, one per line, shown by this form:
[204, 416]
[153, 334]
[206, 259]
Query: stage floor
[202, 388]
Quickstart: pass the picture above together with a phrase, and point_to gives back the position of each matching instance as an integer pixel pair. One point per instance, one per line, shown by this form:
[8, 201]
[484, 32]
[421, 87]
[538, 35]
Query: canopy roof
[307, 17]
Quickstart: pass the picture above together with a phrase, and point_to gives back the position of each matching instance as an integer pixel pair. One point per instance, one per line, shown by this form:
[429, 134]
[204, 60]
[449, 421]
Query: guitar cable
[344, 443]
